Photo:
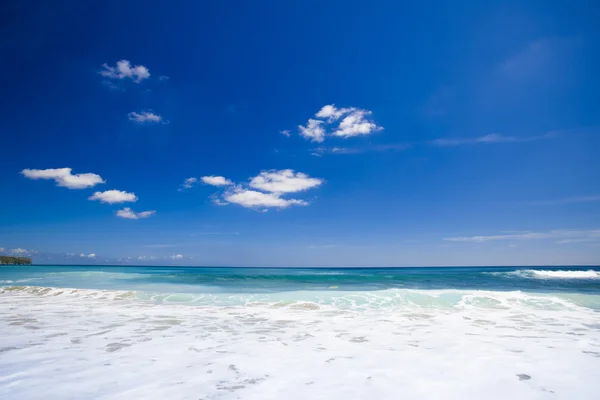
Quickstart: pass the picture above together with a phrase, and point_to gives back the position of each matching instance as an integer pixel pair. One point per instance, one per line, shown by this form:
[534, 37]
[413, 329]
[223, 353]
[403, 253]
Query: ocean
[114, 332]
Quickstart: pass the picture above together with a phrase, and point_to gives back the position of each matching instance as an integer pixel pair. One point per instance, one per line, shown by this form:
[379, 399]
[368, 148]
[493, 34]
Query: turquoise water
[585, 280]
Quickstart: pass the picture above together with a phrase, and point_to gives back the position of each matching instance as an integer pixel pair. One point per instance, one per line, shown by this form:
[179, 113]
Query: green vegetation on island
[5, 260]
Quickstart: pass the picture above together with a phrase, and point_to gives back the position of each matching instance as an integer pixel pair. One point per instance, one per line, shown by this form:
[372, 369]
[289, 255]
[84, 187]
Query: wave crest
[550, 274]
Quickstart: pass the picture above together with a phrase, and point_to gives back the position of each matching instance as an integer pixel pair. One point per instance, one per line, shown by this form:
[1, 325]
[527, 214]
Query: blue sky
[315, 133]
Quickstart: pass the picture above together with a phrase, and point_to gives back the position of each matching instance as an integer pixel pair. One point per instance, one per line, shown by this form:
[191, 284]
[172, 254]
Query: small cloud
[20, 252]
[216, 180]
[128, 213]
[91, 255]
[332, 113]
[188, 183]
[355, 122]
[163, 78]
[313, 130]
[144, 117]
[177, 257]
[285, 132]
[114, 196]
[275, 183]
[123, 70]
[284, 181]
[260, 200]
[63, 177]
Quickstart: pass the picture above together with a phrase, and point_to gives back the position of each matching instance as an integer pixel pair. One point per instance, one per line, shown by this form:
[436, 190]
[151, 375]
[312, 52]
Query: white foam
[590, 274]
[89, 344]
[549, 274]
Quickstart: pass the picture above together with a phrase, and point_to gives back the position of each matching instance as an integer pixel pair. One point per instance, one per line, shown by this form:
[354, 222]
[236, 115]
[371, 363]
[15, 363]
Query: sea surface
[113, 332]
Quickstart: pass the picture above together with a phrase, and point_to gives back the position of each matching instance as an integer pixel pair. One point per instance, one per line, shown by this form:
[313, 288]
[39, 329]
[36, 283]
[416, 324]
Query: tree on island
[6, 260]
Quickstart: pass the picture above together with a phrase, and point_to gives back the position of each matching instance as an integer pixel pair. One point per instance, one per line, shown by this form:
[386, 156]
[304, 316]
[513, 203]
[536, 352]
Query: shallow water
[211, 333]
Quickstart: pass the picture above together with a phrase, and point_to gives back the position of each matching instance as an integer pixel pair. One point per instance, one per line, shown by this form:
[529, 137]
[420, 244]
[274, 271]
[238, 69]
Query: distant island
[5, 260]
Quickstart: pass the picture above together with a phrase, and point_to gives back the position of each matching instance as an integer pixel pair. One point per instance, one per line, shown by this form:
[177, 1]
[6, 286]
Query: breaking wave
[550, 274]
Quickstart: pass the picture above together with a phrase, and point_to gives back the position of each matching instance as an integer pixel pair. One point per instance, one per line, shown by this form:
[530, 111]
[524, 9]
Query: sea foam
[550, 274]
[89, 344]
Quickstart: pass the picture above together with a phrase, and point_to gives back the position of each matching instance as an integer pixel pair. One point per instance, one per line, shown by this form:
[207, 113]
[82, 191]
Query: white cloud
[2, 250]
[123, 70]
[356, 124]
[188, 183]
[63, 177]
[332, 113]
[146, 214]
[285, 132]
[254, 199]
[128, 213]
[216, 180]
[114, 196]
[270, 186]
[144, 116]
[20, 251]
[163, 78]
[177, 257]
[561, 236]
[313, 130]
[284, 181]
[91, 255]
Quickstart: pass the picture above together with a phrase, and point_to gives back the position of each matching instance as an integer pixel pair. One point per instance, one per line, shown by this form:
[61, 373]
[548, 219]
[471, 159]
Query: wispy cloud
[539, 59]
[124, 70]
[145, 117]
[318, 151]
[63, 177]
[561, 236]
[128, 213]
[188, 183]
[162, 245]
[20, 252]
[322, 246]
[286, 132]
[489, 139]
[569, 200]
[214, 233]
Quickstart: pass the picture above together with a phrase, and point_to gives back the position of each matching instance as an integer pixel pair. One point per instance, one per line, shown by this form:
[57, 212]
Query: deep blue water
[269, 280]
